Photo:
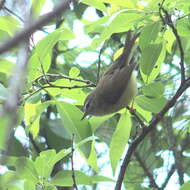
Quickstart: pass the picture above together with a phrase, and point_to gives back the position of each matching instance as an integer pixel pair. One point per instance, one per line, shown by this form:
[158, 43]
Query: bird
[117, 86]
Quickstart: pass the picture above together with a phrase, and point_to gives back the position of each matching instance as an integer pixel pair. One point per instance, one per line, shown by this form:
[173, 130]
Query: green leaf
[185, 186]
[3, 93]
[6, 66]
[37, 6]
[4, 124]
[127, 4]
[29, 185]
[71, 118]
[119, 22]
[56, 127]
[36, 64]
[151, 104]
[34, 99]
[156, 70]
[95, 122]
[9, 24]
[92, 159]
[9, 160]
[95, 3]
[149, 34]
[64, 152]
[99, 178]
[74, 72]
[76, 94]
[150, 55]
[26, 170]
[120, 139]
[154, 89]
[32, 118]
[96, 25]
[183, 27]
[32, 115]
[66, 34]
[170, 39]
[7, 178]
[15, 147]
[45, 162]
[44, 46]
[64, 178]
[145, 114]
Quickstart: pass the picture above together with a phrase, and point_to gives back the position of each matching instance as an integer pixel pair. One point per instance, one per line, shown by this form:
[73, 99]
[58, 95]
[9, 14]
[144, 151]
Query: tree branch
[168, 21]
[148, 129]
[176, 153]
[185, 83]
[29, 30]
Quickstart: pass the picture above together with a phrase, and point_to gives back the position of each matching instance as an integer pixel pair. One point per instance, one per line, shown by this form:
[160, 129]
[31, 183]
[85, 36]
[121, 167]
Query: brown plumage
[116, 88]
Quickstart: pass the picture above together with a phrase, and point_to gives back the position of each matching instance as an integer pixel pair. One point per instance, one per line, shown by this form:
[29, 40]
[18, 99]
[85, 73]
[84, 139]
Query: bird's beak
[85, 114]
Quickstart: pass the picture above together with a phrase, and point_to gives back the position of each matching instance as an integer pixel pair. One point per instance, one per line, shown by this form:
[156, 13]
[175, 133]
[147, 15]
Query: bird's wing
[114, 82]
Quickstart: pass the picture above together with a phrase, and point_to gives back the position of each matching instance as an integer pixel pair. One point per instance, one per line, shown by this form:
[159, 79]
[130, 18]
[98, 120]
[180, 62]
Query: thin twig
[168, 21]
[133, 112]
[176, 153]
[65, 77]
[72, 164]
[13, 13]
[60, 87]
[170, 173]
[146, 170]
[183, 16]
[29, 30]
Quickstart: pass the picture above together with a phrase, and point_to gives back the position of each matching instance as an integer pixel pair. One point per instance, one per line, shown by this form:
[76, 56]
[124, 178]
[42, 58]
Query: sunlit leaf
[29, 185]
[95, 3]
[71, 118]
[150, 55]
[149, 34]
[92, 159]
[3, 93]
[128, 3]
[26, 170]
[120, 139]
[6, 66]
[183, 27]
[64, 178]
[9, 24]
[118, 22]
[151, 104]
[44, 163]
[185, 186]
[37, 6]
[74, 72]
[154, 89]
[170, 38]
